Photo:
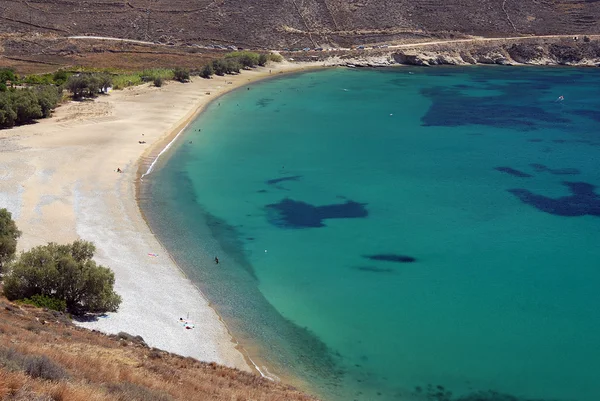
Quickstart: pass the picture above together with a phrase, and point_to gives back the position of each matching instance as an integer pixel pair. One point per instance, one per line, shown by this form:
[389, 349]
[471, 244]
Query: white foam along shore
[60, 182]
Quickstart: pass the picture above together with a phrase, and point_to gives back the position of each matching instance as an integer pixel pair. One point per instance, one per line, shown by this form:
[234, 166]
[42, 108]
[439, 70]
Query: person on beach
[216, 260]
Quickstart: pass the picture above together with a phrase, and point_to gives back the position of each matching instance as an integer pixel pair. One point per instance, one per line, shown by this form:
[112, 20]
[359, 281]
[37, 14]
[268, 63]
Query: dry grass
[45, 357]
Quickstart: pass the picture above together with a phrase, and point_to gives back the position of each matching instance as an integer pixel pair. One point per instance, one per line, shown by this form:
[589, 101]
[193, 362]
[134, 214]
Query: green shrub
[122, 81]
[9, 233]
[245, 58]
[219, 67]
[60, 77]
[181, 74]
[48, 98]
[87, 85]
[65, 272]
[207, 71]
[232, 66]
[26, 105]
[8, 115]
[158, 82]
[44, 301]
[7, 74]
[276, 58]
[34, 79]
[263, 59]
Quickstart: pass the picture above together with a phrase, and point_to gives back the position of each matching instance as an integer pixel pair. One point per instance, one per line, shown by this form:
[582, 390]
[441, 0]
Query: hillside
[296, 23]
[43, 356]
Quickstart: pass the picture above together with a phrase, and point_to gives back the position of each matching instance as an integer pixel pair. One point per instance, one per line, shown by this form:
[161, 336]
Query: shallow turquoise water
[399, 234]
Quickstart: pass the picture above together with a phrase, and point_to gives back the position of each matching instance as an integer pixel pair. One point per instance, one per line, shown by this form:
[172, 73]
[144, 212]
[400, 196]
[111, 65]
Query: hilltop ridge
[292, 23]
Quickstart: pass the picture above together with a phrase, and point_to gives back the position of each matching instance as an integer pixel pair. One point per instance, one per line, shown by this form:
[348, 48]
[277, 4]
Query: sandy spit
[58, 177]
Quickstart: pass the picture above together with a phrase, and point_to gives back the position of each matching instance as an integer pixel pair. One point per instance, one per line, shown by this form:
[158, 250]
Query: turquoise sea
[399, 234]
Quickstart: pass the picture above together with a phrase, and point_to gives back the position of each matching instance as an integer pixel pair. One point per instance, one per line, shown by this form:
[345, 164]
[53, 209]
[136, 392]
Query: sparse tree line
[233, 62]
[24, 99]
[59, 277]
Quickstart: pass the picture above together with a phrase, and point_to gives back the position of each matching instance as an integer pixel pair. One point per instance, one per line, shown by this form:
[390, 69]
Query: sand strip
[59, 179]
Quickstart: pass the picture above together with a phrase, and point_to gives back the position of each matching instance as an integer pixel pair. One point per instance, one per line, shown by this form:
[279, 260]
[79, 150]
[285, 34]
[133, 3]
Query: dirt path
[402, 46]
[515, 38]
[115, 39]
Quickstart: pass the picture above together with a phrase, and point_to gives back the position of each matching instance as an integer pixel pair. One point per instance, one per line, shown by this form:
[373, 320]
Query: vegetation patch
[235, 61]
[36, 366]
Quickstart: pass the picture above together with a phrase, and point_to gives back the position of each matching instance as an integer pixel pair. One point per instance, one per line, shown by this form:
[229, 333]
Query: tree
[262, 59]
[232, 66]
[48, 97]
[219, 67]
[25, 103]
[181, 74]
[104, 81]
[7, 74]
[60, 77]
[8, 115]
[63, 272]
[87, 85]
[77, 85]
[9, 233]
[207, 71]
[245, 58]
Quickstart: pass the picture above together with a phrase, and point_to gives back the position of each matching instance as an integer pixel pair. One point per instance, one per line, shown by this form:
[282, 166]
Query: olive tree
[8, 238]
[63, 272]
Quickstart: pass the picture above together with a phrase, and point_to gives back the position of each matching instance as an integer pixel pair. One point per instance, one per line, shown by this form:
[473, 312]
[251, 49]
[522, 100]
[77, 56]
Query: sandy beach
[58, 177]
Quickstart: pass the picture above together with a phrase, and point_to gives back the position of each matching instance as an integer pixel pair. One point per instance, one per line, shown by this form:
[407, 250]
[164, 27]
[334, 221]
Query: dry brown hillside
[44, 357]
[289, 23]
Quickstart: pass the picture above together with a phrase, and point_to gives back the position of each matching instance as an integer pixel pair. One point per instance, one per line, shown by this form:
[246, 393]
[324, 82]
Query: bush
[104, 81]
[245, 58]
[43, 368]
[22, 106]
[7, 74]
[207, 71]
[37, 366]
[125, 80]
[86, 85]
[44, 301]
[158, 82]
[263, 59]
[587, 39]
[8, 115]
[64, 272]
[25, 104]
[48, 98]
[60, 77]
[232, 66]
[219, 67]
[181, 74]
[276, 58]
[9, 233]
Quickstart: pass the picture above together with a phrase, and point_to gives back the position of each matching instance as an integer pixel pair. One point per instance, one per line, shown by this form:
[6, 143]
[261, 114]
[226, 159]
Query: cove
[399, 234]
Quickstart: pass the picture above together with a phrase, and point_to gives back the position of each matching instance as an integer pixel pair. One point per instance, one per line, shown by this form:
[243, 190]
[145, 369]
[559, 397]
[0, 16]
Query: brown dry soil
[298, 23]
[43, 356]
[30, 53]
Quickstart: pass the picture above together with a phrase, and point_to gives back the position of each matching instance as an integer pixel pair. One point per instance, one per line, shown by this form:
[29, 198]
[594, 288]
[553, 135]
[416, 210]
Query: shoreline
[158, 152]
[59, 181]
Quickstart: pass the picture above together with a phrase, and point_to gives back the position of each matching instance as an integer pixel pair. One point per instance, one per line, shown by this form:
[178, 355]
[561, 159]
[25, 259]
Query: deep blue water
[403, 234]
